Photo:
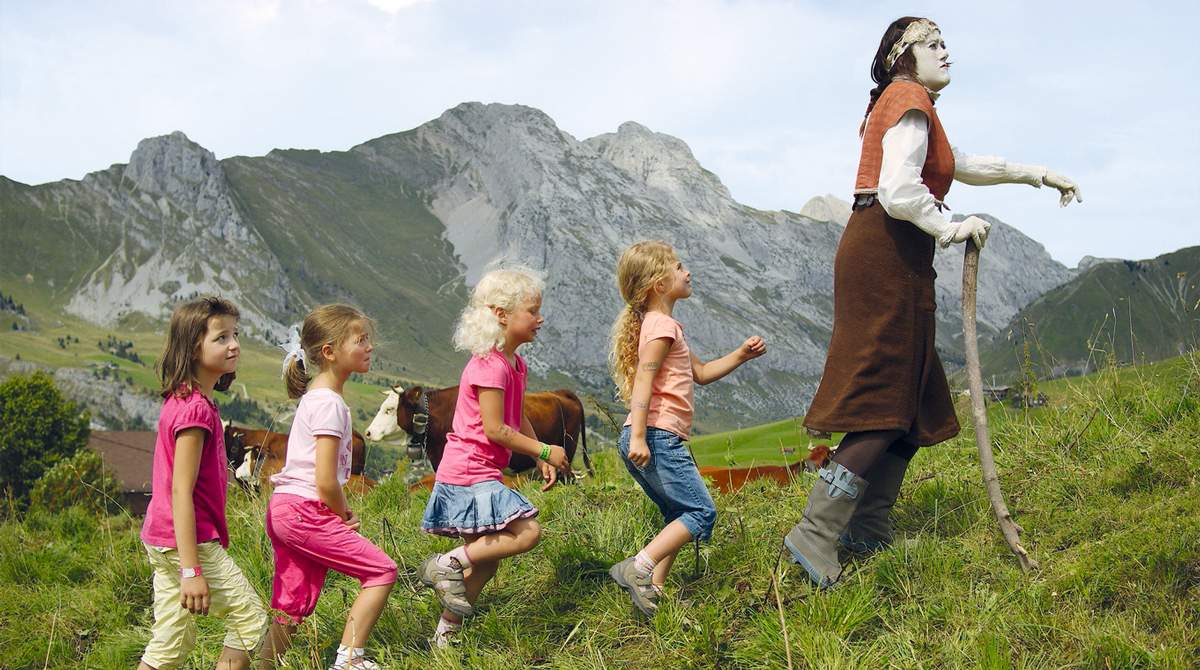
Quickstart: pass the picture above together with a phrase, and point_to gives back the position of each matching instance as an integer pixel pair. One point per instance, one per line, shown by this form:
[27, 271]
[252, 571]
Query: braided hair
[906, 64]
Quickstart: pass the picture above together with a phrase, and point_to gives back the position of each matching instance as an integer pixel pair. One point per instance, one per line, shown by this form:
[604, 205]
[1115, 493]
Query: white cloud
[395, 6]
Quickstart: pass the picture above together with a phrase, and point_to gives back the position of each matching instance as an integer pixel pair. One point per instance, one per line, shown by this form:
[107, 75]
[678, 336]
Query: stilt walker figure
[883, 384]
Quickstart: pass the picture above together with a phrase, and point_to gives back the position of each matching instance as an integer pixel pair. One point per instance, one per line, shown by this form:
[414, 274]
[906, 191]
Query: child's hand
[558, 457]
[752, 348]
[549, 474]
[193, 594]
[639, 452]
[352, 520]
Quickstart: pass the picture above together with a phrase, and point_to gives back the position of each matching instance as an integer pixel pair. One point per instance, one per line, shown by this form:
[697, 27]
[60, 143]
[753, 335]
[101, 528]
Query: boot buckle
[840, 480]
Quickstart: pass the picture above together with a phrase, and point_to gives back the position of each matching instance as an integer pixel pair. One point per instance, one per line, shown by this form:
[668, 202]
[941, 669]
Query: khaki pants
[230, 597]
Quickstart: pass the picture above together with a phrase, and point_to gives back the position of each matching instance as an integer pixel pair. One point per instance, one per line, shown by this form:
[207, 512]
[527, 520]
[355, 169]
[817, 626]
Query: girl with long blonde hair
[655, 370]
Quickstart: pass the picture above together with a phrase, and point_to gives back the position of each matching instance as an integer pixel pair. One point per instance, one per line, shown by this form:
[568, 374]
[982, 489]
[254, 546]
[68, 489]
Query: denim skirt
[481, 508]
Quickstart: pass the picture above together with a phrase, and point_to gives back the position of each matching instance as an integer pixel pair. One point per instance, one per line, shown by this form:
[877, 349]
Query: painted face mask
[929, 53]
[933, 62]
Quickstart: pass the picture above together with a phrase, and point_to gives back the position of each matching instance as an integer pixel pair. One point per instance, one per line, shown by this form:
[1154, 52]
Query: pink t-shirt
[470, 457]
[208, 496]
[321, 412]
[671, 394]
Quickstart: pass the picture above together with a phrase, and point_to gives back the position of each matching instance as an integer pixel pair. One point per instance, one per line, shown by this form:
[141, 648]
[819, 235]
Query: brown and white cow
[426, 417]
[258, 454]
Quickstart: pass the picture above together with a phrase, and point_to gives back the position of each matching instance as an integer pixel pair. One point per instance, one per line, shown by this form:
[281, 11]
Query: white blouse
[904, 196]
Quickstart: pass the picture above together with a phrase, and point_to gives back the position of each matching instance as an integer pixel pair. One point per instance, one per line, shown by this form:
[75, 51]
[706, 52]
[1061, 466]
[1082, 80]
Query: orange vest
[896, 99]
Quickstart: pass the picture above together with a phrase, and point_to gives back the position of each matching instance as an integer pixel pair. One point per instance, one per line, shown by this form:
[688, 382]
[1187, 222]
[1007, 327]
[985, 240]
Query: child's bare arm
[649, 363]
[707, 373]
[491, 411]
[328, 487]
[189, 445]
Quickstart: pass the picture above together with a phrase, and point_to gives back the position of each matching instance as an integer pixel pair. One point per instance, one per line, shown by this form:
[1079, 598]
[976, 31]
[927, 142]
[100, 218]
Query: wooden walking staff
[983, 440]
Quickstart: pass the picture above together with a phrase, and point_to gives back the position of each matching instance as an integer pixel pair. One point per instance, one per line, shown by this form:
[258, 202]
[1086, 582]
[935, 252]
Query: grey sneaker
[641, 591]
[448, 584]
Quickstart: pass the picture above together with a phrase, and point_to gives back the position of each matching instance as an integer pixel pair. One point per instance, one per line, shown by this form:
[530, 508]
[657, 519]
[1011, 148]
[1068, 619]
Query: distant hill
[1131, 311]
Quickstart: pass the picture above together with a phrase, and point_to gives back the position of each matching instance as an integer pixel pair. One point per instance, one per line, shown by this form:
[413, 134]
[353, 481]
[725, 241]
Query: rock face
[827, 208]
[140, 237]
[403, 224]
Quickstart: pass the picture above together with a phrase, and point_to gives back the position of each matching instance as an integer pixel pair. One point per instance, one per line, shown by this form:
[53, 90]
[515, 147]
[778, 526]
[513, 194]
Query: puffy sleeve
[487, 372]
[902, 193]
[325, 417]
[978, 170]
[197, 414]
[656, 326]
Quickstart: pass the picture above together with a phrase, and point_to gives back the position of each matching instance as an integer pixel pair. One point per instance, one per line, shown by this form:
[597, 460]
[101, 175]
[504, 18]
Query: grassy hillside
[344, 230]
[1129, 311]
[1103, 482]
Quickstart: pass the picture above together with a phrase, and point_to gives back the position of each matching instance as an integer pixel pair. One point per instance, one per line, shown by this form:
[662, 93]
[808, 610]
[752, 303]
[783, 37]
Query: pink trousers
[309, 540]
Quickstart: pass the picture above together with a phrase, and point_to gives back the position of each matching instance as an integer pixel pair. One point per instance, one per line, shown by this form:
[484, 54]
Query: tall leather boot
[831, 503]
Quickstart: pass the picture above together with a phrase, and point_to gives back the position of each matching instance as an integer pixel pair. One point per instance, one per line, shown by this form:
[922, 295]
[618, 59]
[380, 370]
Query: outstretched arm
[987, 170]
[707, 373]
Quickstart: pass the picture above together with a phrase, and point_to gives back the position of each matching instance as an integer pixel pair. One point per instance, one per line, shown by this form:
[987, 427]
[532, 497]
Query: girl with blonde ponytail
[311, 526]
[654, 371]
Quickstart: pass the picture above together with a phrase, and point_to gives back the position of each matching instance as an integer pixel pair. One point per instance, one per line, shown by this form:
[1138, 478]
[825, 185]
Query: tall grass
[1103, 480]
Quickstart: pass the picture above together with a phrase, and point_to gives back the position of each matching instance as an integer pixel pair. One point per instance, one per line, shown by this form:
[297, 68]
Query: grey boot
[870, 528]
[813, 542]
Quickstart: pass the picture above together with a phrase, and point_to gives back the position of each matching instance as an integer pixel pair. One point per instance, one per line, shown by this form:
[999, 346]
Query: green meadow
[1103, 480]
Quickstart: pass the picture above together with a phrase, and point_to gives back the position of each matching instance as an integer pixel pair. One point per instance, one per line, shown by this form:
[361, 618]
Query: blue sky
[768, 94]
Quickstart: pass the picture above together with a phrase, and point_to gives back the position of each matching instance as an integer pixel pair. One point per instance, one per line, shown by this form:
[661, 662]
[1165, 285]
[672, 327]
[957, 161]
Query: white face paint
[933, 62]
[385, 424]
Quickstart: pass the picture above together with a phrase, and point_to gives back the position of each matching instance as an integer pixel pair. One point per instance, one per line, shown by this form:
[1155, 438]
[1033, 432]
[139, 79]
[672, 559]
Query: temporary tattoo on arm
[506, 432]
[651, 366]
[641, 405]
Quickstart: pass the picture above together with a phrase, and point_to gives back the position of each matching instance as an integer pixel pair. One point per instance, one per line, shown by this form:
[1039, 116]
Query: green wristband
[545, 455]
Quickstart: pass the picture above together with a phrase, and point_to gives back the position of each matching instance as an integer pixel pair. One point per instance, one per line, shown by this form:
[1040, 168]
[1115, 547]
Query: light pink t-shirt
[470, 457]
[208, 495]
[321, 412]
[671, 393]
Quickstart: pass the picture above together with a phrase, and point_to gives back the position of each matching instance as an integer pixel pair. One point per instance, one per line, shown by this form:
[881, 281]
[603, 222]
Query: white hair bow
[293, 349]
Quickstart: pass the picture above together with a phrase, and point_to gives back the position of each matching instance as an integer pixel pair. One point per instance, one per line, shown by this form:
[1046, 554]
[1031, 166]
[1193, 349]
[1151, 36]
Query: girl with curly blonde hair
[469, 499]
[655, 370]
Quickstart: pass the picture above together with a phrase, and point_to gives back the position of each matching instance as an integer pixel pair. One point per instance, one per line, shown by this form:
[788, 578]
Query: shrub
[79, 480]
[38, 428]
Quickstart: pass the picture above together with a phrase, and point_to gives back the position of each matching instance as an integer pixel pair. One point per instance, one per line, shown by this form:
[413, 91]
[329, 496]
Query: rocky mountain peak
[827, 207]
[174, 166]
[658, 160]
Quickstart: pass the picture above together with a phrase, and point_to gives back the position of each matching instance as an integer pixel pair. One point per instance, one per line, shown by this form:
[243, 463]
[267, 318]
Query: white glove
[1067, 189]
[970, 228]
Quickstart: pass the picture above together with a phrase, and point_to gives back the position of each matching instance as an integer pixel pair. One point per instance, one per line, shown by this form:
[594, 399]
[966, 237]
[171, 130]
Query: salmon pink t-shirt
[195, 410]
[321, 411]
[470, 457]
[671, 393]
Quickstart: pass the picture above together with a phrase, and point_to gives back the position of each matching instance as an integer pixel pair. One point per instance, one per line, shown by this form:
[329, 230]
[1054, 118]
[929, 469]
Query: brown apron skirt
[882, 371]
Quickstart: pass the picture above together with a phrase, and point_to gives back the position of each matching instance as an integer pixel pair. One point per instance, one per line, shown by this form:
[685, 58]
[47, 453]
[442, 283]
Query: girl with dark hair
[185, 531]
[883, 384]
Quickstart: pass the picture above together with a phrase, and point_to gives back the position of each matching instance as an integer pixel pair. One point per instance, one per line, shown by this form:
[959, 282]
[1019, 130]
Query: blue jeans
[672, 481]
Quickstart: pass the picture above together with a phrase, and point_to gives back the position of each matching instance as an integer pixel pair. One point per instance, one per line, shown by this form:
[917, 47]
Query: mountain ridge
[404, 223]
